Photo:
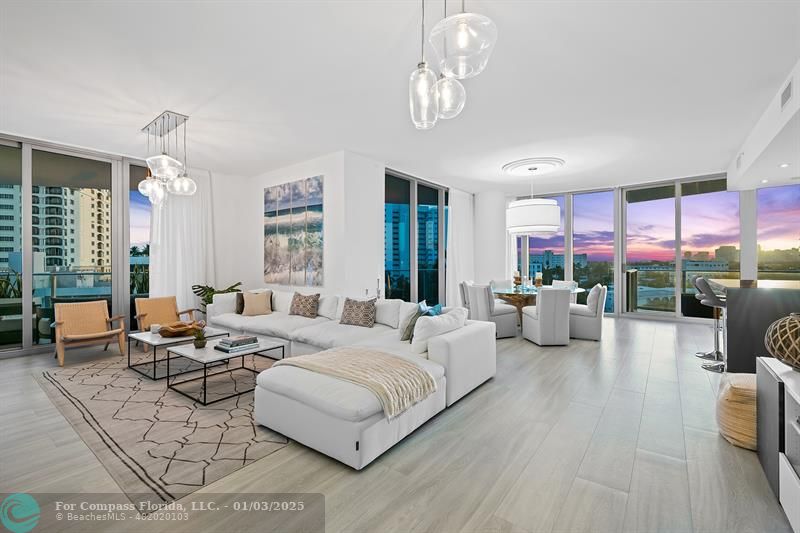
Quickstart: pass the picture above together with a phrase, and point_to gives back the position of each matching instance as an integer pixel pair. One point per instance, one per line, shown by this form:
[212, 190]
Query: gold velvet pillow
[256, 303]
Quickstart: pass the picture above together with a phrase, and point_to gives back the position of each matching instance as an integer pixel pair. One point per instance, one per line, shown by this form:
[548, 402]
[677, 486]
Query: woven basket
[736, 410]
[783, 340]
[181, 329]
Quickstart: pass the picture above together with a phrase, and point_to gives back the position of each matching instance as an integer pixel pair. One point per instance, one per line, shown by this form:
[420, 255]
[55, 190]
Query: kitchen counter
[750, 311]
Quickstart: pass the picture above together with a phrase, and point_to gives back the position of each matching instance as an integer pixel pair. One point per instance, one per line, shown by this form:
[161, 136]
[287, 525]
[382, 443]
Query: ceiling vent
[786, 95]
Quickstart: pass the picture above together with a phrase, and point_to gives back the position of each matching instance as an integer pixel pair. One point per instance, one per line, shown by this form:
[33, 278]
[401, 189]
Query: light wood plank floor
[597, 436]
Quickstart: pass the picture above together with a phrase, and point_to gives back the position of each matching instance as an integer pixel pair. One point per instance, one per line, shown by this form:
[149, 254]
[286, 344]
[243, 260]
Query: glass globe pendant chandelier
[166, 174]
[452, 95]
[463, 43]
[423, 97]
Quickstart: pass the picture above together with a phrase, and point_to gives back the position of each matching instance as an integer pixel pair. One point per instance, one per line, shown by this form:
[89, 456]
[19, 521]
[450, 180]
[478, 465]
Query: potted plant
[200, 338]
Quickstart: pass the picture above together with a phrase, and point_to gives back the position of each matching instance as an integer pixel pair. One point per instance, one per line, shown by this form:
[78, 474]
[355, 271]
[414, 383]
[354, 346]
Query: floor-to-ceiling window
[650, 249]
[397, 237]
[546, 252]
[779, 232]
[72, 245]
[593, 243]
[11, 313]
[414, 235]
[139, 232]
[709, 238]
[427, 244]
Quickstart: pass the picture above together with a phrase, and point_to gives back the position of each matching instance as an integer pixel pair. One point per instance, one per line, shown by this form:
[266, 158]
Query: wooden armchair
[85, 323]
[163, 310]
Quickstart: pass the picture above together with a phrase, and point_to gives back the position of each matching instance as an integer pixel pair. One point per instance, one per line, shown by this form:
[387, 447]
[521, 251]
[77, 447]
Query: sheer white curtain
[182, 244]
[460, 244]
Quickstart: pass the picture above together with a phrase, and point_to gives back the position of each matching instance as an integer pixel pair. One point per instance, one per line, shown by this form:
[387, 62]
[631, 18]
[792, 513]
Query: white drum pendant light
[533, 215]
[423, 98]
[463, 43]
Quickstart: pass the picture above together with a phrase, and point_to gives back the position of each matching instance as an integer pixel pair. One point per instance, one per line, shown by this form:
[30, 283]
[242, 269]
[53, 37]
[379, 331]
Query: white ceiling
[625, 91]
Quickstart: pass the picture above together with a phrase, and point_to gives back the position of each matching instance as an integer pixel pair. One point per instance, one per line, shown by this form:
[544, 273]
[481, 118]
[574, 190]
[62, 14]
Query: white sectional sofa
[338, 418]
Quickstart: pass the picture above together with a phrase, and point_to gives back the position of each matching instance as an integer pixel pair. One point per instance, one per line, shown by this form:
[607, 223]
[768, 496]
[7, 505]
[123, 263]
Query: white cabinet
[790, 492]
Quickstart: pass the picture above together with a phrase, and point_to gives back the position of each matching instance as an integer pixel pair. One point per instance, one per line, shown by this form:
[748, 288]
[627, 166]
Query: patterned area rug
[156, 443]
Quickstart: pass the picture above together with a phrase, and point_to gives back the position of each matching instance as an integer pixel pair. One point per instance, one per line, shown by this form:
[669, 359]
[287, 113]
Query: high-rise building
[71, 227]
[396, 236]
[727, 253]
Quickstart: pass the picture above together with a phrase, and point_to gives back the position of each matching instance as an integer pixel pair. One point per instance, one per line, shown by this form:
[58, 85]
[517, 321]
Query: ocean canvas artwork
[293, 238]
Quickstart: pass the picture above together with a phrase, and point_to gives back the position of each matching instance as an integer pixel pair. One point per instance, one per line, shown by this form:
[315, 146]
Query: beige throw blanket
[397, 382]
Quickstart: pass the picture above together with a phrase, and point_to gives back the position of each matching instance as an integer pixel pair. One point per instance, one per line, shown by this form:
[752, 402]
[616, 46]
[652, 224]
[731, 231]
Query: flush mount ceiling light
[784, 165]
[532, 166]
[463, 43]
[166, 174]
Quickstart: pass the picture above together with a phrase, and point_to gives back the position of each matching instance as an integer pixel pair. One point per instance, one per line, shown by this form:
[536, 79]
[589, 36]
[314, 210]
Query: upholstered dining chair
[86, 323]
[483, 307]
[462, 288]
[502, 283]
[586, 321]
[571, 285]
[161, 310]
[547, 322]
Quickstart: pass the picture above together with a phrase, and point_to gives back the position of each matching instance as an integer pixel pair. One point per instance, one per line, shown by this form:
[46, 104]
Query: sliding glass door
[71, 225]
[778, 215]
[414, 237]
[397, 238]
[593, 243]
[12, 316]
[427, 244]
[649, 266]
[139, 217]
[62, 211]
[709, 228]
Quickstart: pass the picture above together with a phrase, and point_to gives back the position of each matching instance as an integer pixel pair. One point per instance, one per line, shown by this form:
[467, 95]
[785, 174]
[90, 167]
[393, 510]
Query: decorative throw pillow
[408, 333]
[256, 303]
[432, 326]
[358, 313]
[593, 298]
[240, 301]
[304, 305]
[422, 310]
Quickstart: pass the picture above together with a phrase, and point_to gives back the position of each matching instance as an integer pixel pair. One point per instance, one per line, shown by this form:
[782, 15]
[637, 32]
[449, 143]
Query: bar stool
[711, 354]
[711, 299]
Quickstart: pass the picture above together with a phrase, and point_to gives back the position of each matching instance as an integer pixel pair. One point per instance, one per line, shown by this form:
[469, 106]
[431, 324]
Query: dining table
[524, 295]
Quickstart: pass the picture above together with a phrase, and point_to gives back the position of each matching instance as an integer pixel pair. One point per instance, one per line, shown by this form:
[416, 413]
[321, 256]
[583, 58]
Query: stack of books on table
[235, 344]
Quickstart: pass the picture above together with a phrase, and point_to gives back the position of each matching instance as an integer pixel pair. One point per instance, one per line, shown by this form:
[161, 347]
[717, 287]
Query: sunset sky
[708, 221]
[140, 219]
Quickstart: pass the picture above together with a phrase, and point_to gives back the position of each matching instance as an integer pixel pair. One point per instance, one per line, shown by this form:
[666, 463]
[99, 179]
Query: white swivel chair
[586, 321]
[547, 322]
[571, 285]
[483, 307]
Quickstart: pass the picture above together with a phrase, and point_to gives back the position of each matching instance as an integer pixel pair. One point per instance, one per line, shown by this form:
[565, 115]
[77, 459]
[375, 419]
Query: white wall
[766, 129]
[353, 223]
[490, 237]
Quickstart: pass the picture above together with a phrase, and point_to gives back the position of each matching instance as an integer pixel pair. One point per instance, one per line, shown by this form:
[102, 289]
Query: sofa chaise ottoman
[343, 420]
